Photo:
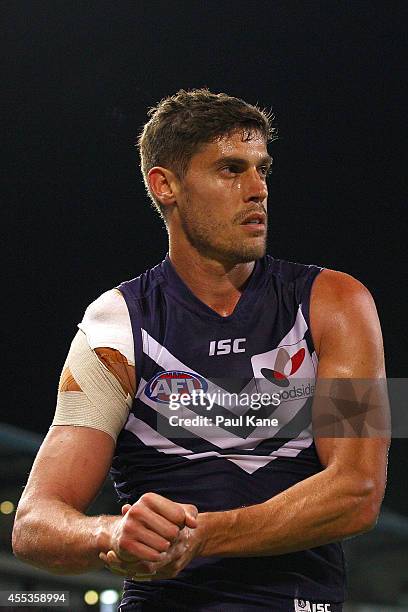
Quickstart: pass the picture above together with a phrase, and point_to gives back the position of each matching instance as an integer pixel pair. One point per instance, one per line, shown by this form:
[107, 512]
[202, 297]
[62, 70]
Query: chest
[269, 345]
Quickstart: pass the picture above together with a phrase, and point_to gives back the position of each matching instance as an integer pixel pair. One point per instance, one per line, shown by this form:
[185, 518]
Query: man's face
[223, 199]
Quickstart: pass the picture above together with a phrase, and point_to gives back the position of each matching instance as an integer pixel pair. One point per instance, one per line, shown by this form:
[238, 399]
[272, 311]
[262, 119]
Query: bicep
[351, 411]
[71, 466]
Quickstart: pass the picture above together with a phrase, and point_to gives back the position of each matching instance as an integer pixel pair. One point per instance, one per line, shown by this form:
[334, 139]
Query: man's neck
[217, 284]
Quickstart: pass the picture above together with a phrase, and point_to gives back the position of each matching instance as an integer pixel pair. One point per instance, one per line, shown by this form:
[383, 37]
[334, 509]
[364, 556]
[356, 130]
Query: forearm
[321, 509]
[58, 538]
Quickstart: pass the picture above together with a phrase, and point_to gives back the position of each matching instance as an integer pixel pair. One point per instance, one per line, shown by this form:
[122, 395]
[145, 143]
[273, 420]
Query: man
[217, 316]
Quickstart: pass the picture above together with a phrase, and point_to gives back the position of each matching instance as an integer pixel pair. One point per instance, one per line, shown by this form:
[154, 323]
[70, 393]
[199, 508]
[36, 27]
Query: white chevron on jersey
[284, 413]
[151, 437]
[167, 361]
[298, 330]
[250, 463]
[297, 333]
[218, 435]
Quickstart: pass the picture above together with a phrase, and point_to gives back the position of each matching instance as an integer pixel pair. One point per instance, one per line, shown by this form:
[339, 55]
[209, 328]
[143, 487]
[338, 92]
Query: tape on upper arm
[101, 403]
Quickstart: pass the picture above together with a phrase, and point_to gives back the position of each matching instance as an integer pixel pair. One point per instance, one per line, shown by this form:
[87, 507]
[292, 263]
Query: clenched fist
[152, 533]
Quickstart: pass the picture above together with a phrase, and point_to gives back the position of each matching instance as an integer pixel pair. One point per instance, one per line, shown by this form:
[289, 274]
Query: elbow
[17, 540]
[23, 541]
[367, 509]
[368, 517]
[25, 548]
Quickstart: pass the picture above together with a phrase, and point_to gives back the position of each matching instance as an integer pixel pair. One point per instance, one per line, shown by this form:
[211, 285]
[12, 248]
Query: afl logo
[161, 386]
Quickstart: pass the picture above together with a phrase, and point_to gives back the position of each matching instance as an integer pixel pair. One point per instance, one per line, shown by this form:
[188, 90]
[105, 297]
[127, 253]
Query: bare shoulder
[339, 296]
[338, 289]
[343, 313]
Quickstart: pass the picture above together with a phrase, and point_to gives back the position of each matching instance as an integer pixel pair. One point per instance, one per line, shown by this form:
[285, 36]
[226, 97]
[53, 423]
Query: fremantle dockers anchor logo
[285, 366]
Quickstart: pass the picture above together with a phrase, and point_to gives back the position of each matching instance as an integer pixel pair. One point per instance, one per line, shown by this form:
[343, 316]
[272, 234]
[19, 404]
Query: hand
[179, 555]
[173, 561]
[148, 529]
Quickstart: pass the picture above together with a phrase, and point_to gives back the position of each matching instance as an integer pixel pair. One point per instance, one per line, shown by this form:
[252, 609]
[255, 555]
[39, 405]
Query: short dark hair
[180, 124]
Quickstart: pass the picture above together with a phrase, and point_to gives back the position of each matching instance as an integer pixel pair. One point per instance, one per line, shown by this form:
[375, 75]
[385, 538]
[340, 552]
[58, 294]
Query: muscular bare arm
[344, 499]
[51, 530]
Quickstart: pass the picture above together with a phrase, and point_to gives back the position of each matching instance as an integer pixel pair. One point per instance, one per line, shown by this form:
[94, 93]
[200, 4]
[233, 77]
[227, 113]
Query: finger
[116, 569]
[177, 550]
[126, 508]
[141, 514]
[191, 515]
[112, 558]
[142, 567]
[103, 557]
[116, 565]
[138, 567]
[112, 562]
[168, 509]
[142, 536]
[131, 551]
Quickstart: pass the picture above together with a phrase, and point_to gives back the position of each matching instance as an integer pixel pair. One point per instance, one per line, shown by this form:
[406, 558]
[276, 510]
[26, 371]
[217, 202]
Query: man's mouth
[254, 219]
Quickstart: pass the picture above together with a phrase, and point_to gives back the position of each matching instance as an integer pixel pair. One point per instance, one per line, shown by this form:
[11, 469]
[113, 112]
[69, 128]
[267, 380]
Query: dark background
[78, 79]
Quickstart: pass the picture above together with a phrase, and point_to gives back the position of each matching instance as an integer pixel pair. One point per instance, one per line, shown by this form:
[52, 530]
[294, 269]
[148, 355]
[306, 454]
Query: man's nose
[256, 189]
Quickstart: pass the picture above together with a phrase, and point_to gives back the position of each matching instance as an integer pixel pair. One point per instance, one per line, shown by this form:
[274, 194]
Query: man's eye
[265, 170]
[231, 169]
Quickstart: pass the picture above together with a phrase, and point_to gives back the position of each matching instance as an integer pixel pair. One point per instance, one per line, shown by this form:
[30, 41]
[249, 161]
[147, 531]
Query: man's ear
[162, 183]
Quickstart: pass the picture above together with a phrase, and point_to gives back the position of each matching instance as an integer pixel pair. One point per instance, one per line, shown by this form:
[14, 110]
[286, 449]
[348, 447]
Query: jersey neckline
[182, 293]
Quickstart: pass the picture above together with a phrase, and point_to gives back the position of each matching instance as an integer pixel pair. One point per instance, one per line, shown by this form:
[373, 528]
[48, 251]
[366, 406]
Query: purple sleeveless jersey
[228, 451]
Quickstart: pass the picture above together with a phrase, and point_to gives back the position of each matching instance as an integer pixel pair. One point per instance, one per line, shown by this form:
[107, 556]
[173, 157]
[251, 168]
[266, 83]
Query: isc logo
[224, 347]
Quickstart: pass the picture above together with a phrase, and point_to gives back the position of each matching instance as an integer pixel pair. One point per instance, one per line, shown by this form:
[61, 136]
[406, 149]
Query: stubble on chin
[251, 253]
[209, 239]
[210, 243]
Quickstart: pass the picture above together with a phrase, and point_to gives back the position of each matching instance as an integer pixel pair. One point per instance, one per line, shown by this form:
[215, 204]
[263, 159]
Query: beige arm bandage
[101, 403]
